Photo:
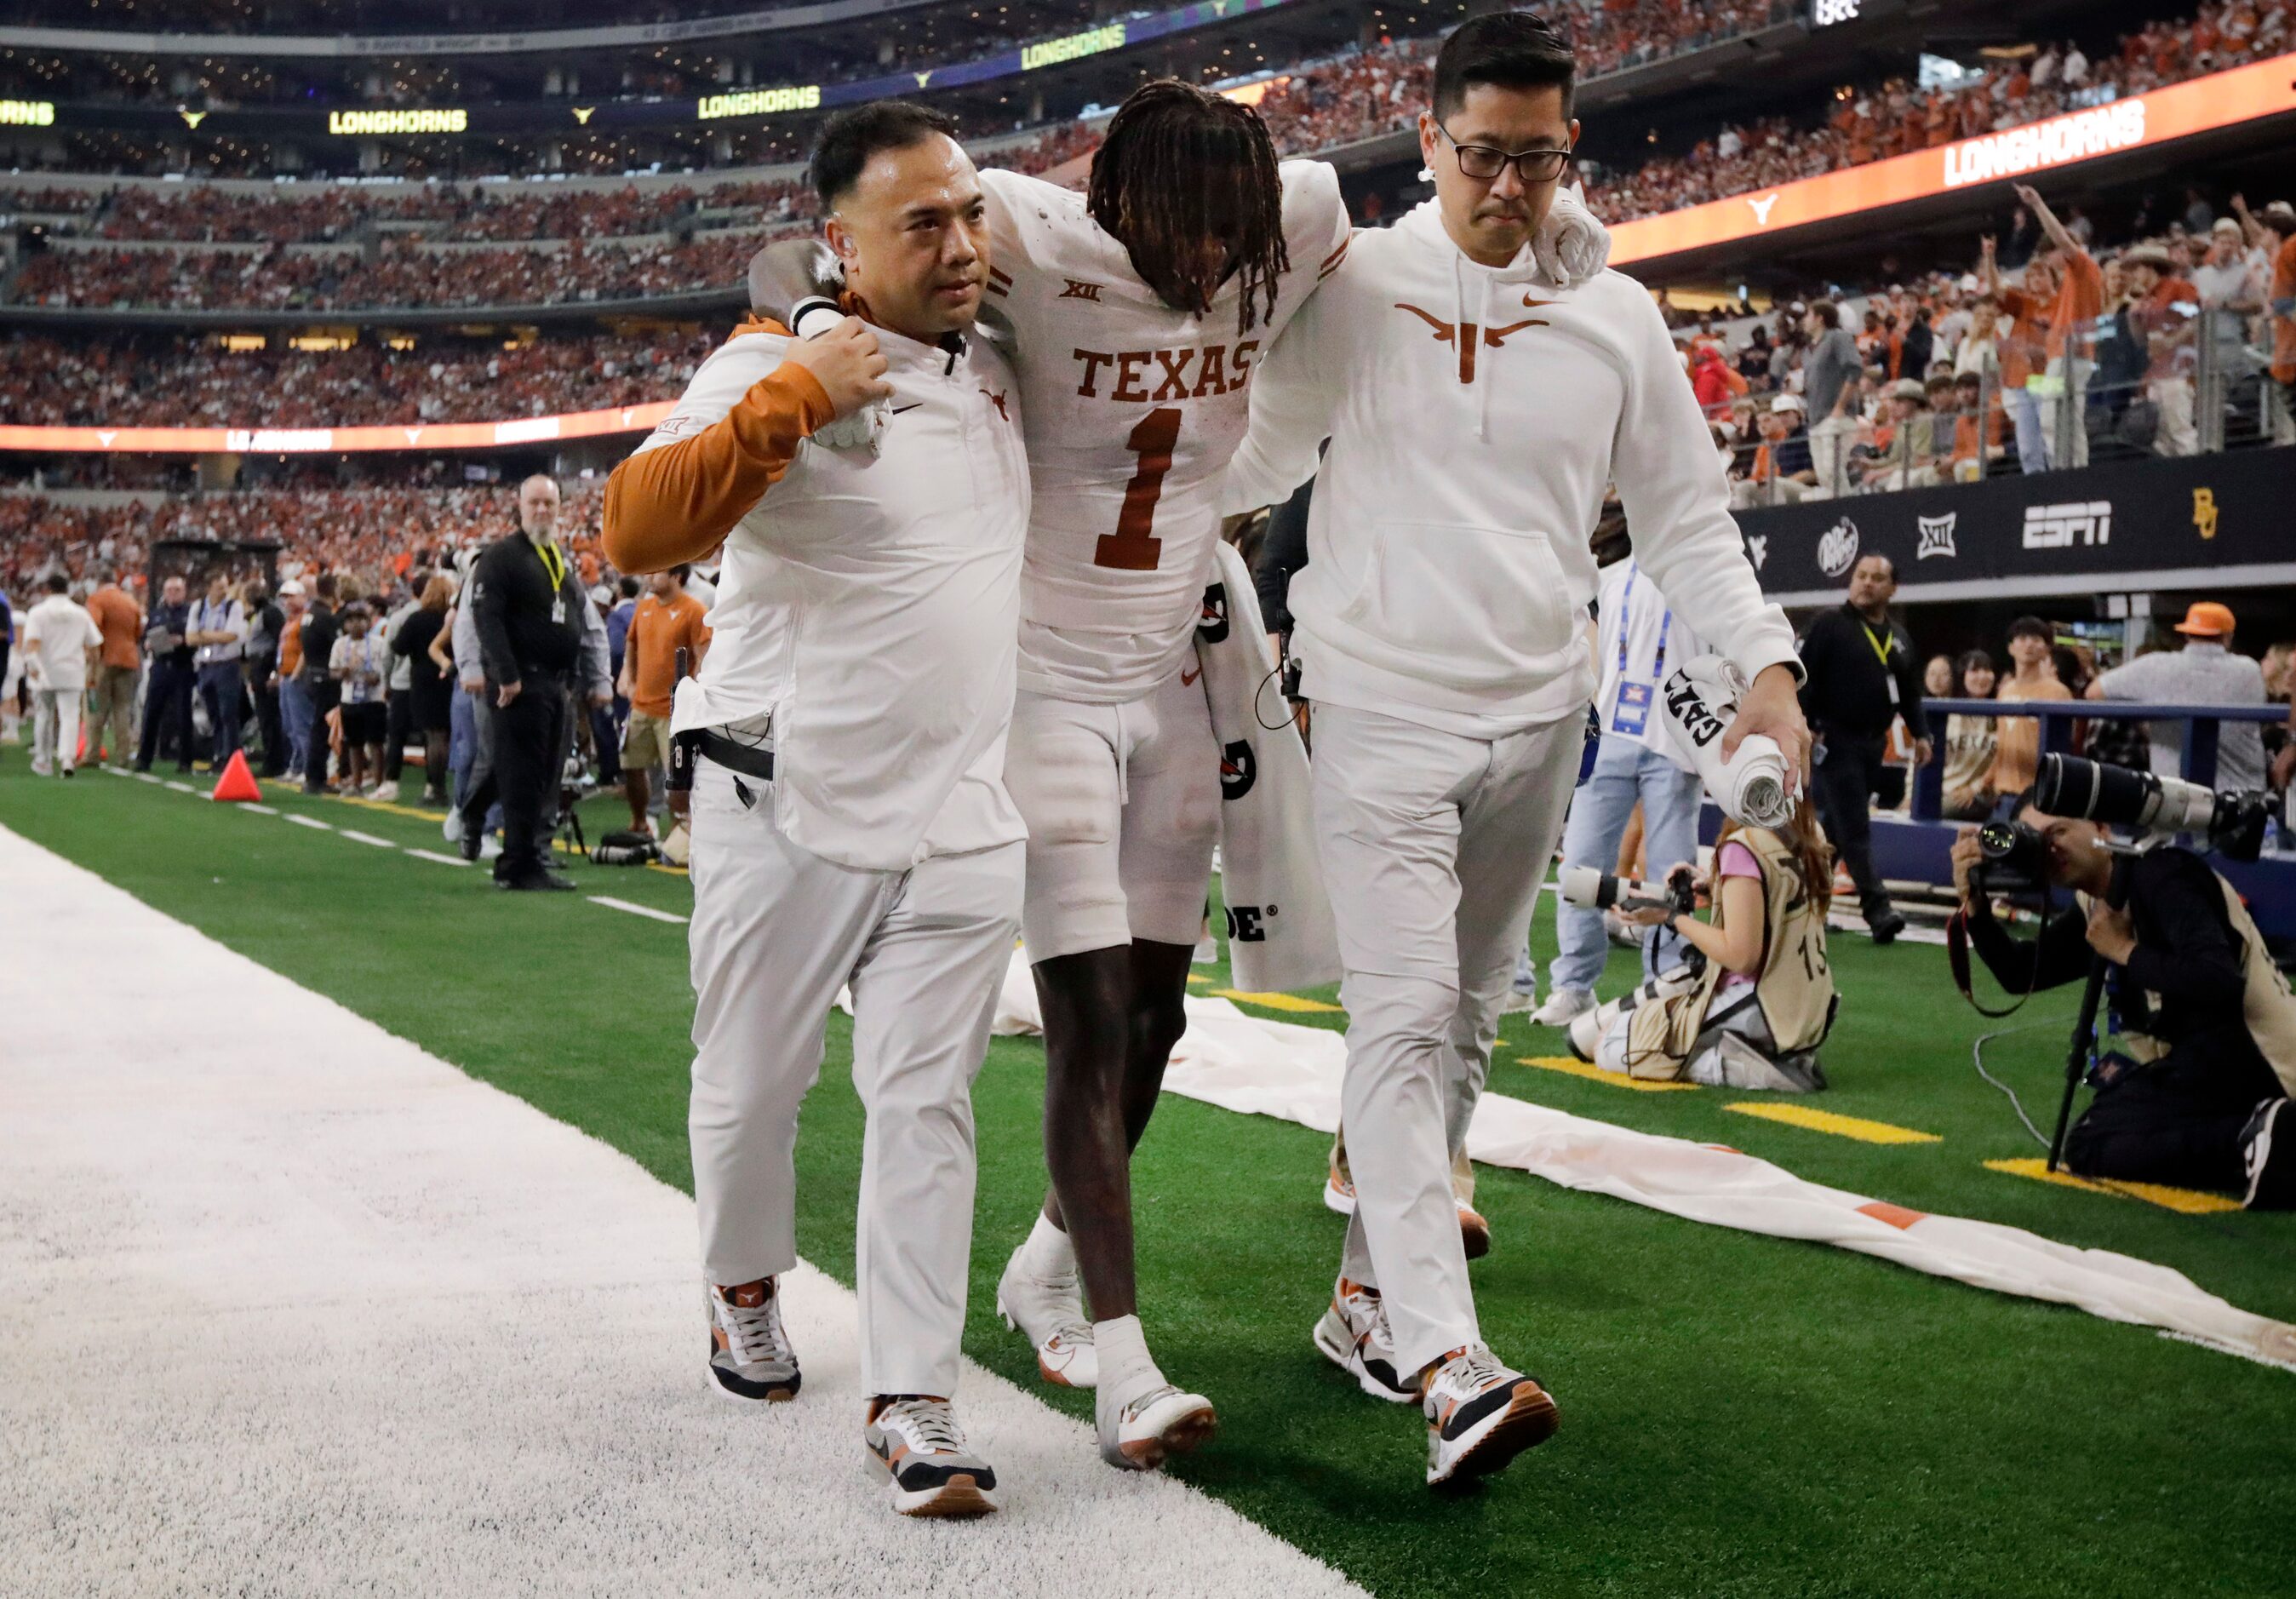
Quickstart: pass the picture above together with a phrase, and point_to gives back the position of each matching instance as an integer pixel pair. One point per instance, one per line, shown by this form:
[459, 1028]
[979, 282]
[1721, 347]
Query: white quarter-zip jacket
[869, 606]
[1476, 417]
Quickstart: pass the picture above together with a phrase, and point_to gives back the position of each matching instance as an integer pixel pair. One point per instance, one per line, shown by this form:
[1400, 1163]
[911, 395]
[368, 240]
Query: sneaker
[451, 825]
[915, 1440]
[1136, 1436]
[1563, 1007]
[489, 846]
[1480, 1415]
[2270, 1162]
[750, 1355]
[1049, 1312]
[1353, 1336]
[387, 792]
[1886, 928]
[544, 881]
[1474, 1232]
[1339, 1191]
[41, 768]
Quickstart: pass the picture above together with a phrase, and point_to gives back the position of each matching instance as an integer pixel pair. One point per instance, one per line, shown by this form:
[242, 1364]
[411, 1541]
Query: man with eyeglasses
[1478, 404]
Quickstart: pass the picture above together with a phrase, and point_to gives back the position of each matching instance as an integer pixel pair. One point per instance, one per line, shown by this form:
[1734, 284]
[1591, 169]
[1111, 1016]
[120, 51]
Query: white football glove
[864, 429]
[1570, 245]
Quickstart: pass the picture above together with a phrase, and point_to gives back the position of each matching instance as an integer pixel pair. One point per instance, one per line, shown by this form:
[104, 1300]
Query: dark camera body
[2014, 859]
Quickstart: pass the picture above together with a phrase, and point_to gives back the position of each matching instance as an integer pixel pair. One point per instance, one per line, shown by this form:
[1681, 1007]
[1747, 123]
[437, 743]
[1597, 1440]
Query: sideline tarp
[1262, 1067]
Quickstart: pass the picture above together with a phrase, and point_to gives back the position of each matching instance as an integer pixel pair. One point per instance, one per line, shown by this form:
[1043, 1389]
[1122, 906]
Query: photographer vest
[1794, 987]
[2266, 1005]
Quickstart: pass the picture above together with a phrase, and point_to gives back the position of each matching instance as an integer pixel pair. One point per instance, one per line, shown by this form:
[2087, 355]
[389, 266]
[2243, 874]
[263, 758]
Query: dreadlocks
[1181, 169]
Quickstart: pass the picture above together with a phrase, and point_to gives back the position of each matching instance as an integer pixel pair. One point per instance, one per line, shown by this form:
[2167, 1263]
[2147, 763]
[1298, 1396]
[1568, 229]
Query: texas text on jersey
[1135, 409]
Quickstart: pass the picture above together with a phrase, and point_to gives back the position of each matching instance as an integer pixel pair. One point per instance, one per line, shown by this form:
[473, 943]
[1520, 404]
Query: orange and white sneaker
[1338, 1190]
[1474, 1232]
[749, 1356]
[1481, 1414]
[1353, 1336]
[913, 1439]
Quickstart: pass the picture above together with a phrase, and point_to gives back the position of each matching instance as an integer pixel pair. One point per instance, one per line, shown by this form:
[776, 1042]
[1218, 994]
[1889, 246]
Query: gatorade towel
[1699, 701]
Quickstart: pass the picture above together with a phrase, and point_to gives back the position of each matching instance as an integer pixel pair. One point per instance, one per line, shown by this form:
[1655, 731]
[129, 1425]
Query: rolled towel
[863, 428]
[1700, 700]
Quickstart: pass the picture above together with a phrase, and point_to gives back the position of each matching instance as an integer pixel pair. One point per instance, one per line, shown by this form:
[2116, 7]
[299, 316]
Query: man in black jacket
[168, 696]
[2195, 1095]
[528, 603]
[1862, 673]
[319, 629]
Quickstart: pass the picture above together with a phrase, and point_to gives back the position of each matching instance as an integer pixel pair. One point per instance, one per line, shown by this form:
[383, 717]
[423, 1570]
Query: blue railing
[2198, 723]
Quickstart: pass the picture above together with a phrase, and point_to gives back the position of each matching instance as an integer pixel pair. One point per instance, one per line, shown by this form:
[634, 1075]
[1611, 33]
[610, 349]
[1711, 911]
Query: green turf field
[1740, 1414]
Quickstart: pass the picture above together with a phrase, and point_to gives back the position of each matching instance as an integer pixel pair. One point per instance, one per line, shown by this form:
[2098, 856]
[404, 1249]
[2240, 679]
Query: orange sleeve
[679, 502]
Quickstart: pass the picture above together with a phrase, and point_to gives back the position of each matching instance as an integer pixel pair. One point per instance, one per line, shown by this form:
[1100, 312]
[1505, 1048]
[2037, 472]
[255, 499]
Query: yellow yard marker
[1277, 1001]
[2185, 1202]
[1595, 1074]
[1828, 1121]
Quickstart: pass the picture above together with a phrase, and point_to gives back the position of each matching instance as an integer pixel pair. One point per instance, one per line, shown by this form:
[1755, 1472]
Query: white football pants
[1433, 847]
[777, 933]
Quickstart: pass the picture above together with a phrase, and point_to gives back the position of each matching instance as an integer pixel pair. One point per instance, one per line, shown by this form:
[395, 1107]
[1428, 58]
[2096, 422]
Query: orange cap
[2206, 619]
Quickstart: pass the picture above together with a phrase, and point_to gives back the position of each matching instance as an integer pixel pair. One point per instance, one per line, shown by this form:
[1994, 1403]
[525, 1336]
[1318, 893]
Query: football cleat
[750, 1355]
[1338, 1190]
[1480, 1415]
[1136, 1436]
[1049, 1311]
[915, 1441]
[1474, 1232]
[1353, 1336]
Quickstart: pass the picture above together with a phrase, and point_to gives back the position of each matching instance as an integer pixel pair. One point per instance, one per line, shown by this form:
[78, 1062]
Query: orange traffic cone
[237, 784]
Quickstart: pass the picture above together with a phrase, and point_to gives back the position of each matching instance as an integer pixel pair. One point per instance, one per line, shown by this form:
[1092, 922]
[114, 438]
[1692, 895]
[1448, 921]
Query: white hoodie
[1476, 417]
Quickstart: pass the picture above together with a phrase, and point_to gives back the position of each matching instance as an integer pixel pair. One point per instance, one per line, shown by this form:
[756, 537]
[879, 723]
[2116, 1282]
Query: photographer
[1752, 1013]
[2207, 1028]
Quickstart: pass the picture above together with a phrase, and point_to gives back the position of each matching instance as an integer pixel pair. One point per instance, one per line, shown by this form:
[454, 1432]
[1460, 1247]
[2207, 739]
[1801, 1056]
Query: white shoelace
[930, 1424]
[754, 1332]
[1476, 1369]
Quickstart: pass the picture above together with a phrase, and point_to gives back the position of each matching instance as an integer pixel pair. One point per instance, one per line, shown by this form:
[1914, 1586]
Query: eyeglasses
[1485, 163]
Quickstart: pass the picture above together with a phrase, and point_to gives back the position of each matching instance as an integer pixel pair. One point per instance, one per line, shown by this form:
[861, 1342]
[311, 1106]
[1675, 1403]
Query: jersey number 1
[1133, 546]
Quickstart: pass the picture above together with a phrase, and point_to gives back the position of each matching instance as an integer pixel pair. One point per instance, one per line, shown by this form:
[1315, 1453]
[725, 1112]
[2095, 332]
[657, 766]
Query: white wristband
[814, 315]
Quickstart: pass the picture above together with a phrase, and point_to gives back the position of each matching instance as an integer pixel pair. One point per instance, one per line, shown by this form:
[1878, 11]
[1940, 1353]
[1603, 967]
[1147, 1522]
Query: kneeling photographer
[1754, 1001]
[2206, 1049]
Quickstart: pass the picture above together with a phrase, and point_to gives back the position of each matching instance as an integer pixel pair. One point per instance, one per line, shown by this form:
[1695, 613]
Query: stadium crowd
[185, 384]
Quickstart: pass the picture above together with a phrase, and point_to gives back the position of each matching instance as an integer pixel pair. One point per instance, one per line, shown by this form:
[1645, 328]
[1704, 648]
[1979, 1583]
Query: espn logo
[2057, 527]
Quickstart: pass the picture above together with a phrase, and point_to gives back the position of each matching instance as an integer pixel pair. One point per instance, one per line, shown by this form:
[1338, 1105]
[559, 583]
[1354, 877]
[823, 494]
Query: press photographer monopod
[2193, 1090]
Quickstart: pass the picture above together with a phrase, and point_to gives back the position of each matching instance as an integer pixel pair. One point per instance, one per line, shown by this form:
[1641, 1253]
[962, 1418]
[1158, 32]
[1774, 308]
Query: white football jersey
[1131, 411]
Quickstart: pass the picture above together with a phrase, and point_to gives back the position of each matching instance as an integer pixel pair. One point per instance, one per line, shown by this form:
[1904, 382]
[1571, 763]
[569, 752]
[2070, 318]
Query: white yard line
[303, 821]
[337, 1319]
[181, 788]
[432, 855]
[366, 838]
[612, 904]
[259, 808]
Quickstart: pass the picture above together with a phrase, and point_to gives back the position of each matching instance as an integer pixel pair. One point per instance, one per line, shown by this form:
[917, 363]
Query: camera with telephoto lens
[1593, 891]
[2013, 860]
[2230, 824]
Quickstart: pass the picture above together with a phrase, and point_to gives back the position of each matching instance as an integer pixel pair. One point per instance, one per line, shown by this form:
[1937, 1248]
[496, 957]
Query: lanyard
[554, 564]
[1626, 611]
[1881, 648]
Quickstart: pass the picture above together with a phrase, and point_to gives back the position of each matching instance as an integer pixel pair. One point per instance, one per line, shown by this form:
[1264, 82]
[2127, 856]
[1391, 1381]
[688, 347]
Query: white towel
[1280, 936]
[1700, 700]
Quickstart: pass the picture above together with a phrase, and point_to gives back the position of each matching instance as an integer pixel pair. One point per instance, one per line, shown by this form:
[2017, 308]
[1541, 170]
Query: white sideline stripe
[612, 904]
[143, 776]
[420, 1336]
[303, 821]
[181, 788]
[366, 838]
[259, 808]
[432, 855]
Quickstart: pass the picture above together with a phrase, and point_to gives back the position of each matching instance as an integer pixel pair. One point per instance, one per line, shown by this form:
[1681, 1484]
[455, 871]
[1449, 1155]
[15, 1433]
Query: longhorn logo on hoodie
[1463, 335]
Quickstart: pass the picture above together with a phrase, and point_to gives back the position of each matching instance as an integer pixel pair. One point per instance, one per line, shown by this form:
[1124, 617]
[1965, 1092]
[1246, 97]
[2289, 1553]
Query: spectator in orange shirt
[667, 619]
[2067, 345]
[2279, 222]
[2163, 314]
[112, 686]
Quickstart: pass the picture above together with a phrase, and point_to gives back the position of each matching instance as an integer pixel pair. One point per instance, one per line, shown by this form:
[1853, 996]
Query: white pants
[776, 932]
[1122, 803]
[55, 730]
[2172, 400]
[1433, 848]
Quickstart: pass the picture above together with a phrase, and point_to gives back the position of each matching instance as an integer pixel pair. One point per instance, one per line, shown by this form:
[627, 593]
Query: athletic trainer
[1477, 407]
[850, 821]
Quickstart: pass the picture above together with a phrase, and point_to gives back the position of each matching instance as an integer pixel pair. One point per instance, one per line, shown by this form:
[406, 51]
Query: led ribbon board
[297, 441]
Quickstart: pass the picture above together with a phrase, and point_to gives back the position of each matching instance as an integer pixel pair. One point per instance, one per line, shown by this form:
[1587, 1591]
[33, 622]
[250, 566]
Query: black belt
[749, 760]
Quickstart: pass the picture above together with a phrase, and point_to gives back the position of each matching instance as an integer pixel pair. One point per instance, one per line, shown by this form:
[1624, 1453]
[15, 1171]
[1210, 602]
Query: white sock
[1048, 1253]
[1126, 1370]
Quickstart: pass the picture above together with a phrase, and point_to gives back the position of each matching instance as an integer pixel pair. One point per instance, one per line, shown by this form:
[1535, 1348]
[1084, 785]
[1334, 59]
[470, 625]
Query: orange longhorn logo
[1446, 333]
